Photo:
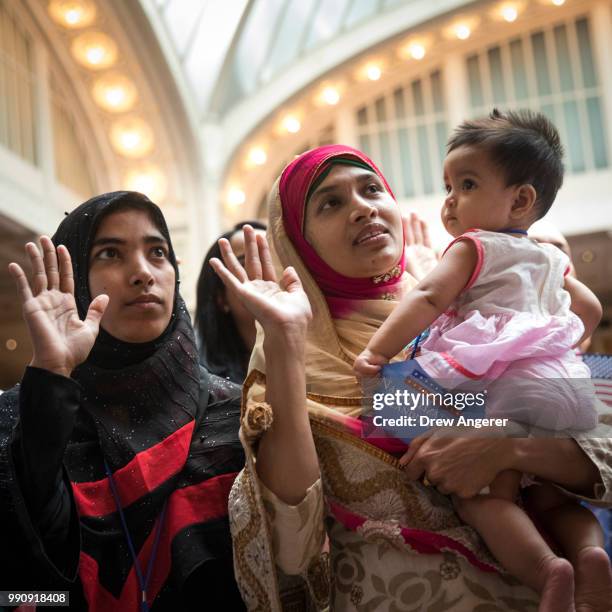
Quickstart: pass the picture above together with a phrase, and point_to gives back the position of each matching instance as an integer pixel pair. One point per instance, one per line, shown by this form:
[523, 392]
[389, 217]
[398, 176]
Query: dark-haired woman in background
[225, 328]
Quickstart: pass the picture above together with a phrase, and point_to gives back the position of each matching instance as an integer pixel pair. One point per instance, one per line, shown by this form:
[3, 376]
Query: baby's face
[477, 195]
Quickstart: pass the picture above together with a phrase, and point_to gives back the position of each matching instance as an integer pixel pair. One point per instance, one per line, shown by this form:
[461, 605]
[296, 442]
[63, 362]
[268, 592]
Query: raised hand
[60, 340]
[421, 259]
[277, 305]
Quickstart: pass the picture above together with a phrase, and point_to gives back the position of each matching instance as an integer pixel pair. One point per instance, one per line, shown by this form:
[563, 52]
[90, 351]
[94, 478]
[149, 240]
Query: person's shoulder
[488, 236]
[505, 244]
[551, 255]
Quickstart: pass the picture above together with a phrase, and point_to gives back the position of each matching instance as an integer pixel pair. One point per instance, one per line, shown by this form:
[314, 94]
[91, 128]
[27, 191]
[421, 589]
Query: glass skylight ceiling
[229, 49]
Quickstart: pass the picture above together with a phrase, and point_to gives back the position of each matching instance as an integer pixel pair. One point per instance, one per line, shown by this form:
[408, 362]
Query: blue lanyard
[142, 583]
[415, 347]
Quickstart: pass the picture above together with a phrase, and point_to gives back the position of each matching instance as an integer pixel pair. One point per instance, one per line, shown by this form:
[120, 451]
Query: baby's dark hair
[525, 145]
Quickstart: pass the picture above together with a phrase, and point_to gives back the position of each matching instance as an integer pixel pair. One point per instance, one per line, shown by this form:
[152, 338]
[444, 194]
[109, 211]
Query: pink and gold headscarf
[295, 185]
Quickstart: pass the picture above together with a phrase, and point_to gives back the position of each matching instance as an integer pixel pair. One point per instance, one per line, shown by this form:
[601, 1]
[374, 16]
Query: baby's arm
[585, 305]
[420, 307]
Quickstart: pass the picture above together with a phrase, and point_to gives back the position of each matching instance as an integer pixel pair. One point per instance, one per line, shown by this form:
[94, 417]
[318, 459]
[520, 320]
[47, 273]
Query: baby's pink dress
[512, 323]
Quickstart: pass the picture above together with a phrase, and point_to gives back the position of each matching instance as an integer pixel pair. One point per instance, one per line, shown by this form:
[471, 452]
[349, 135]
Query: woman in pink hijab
[333, 271]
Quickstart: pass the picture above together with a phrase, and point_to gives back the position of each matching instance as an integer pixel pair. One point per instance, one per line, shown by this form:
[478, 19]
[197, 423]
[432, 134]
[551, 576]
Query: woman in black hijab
[117, 451]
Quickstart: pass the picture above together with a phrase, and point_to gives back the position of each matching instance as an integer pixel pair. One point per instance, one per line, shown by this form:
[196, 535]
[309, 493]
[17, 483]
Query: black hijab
[77, 232]
[152, 386]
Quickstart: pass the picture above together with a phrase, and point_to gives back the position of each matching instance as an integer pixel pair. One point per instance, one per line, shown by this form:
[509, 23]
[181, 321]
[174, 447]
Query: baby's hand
[369, 363]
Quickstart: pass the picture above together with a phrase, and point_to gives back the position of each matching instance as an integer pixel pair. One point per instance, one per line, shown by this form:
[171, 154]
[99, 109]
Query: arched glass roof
[201, 34]
[228, 50]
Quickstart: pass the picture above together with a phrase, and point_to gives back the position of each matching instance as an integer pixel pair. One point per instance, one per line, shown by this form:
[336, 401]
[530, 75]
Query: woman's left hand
[462, 466]
[421, 259]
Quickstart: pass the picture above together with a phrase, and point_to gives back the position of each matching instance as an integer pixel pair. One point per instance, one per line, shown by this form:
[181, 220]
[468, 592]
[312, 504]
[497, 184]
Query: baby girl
[502, 309]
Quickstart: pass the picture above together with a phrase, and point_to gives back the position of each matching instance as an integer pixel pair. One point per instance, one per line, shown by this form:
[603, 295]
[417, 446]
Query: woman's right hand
[286, 455]
[60, 340]
[279, 306]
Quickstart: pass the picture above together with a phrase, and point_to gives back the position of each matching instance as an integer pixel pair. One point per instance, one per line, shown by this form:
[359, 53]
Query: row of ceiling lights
[415, 48]
[130, 135]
